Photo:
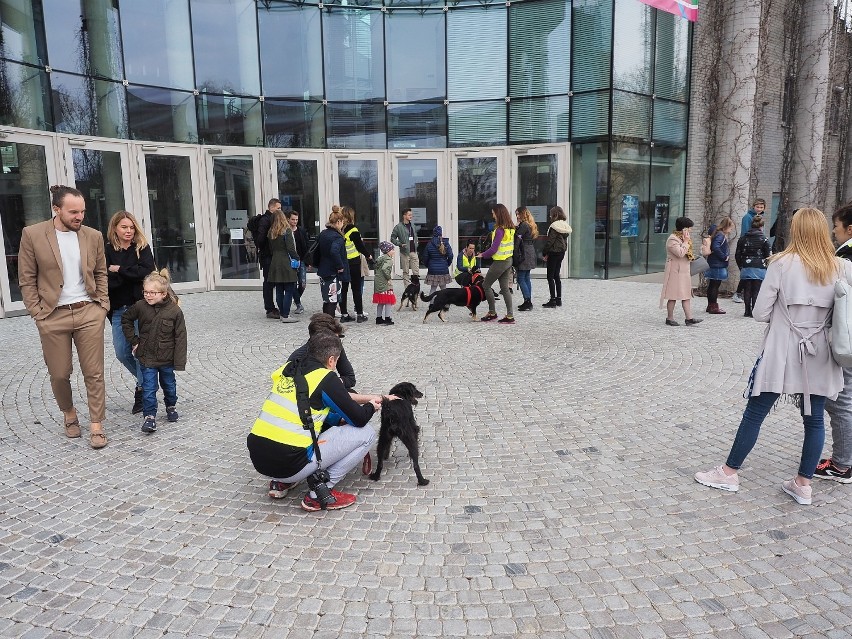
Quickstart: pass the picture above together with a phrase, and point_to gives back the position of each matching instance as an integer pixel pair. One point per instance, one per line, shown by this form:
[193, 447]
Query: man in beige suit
[63, 279]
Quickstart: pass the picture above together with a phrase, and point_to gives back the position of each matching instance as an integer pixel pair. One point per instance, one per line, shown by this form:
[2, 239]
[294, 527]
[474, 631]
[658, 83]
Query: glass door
[26, 173]
[538, 183]
[357, 184]
[418, 184]
[169, 179]
[479, 184]
[299, 176]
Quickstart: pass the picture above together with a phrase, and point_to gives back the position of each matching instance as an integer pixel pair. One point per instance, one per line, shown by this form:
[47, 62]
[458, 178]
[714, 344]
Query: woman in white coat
[796, 300]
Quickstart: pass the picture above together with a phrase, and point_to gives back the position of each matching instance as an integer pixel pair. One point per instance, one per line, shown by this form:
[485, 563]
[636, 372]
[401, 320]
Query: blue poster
[629, 215]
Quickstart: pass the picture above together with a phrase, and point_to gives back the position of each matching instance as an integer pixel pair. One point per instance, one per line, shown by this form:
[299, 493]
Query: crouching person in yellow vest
[283, 449]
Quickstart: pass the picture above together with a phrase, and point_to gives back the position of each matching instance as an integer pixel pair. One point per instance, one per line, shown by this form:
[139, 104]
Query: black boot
[526, 306]
[137, 401]
[558, 301]
[328, 308]
[551, 303]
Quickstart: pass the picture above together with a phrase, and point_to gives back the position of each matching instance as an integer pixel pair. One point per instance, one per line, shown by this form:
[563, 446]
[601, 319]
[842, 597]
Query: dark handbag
[698, 266]
[518, 251]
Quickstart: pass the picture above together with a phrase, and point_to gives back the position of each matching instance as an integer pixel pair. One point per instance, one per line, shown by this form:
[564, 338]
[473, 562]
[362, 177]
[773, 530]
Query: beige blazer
[40, 268]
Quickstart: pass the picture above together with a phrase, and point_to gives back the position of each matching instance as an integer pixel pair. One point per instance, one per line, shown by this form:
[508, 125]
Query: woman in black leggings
[554, 251]
[355, 248]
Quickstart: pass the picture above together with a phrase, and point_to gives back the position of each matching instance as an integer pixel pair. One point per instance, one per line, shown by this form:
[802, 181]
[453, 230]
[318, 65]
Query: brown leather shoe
[97, 439]
[72, 429]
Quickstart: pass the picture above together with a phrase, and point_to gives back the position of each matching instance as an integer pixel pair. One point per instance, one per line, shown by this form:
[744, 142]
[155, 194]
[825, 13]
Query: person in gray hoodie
[554, 250]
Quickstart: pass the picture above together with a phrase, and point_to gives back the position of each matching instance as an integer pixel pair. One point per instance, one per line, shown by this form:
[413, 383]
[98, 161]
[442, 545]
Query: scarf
[689, 254]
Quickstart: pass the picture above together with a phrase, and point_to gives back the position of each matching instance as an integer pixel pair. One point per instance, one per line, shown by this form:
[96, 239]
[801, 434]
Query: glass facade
[379, 75]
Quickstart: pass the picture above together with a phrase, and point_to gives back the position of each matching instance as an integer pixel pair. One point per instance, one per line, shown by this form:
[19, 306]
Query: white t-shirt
[73, 288]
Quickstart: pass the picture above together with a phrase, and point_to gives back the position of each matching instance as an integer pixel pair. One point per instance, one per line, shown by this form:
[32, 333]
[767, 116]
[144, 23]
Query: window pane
[24, 97]
[158, 43]
[539, 34]
[22, 32]
[298, 190]
[538, 176]
[88, 107]
[415, 56]
[84, 37]
[172, 215]
[670, 121]
[417, 188]
[476, 54]
[290, 51]
[161, 115]
[539, 120]
[632, 58]
[592, 44]
[477, 194]
[24, 200]
[631, 115]
[97, 174]
[668, 177]
[234, 184]
[590, 115]
[354, 54]
[294, 124]
[477, 123]
[356, 126]
[359, 188]
[630, 209]
[417, 126]
[224, 37]
[589, 206]
[671, 66]
[228, 119]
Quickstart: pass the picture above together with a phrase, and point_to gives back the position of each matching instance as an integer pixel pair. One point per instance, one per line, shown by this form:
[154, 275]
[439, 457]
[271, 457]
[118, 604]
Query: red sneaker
[342, 500]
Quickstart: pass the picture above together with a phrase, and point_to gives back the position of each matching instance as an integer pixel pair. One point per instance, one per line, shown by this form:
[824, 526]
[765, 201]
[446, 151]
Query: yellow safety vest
[468, 263]
[507, 246]
[351, 251]
[279, 417]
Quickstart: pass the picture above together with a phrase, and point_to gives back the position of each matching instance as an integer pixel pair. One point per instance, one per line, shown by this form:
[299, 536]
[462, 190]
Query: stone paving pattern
[560, 451]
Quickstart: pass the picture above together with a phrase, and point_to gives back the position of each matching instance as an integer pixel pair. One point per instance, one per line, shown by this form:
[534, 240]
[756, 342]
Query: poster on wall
[418, 215]
[661, 214]
[539, 213]
[629, 215]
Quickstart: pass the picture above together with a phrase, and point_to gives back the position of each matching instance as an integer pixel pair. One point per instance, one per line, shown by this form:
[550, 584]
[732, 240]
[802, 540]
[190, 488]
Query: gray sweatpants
[840, 411]
[342, 448]
[499, 270]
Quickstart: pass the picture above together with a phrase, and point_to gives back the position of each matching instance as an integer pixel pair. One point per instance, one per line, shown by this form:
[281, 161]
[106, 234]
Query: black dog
[409, 296]
[471, 296]
[398, 421]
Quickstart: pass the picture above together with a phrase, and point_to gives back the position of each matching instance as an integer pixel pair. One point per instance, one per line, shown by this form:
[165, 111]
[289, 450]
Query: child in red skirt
[383, 296]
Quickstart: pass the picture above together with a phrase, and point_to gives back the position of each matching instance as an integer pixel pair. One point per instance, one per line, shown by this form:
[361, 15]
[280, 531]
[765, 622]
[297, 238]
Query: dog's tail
[427, 298]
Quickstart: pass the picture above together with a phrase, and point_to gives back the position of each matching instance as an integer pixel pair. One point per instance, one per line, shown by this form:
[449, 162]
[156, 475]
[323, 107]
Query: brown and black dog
[409, 295]
[471, 296]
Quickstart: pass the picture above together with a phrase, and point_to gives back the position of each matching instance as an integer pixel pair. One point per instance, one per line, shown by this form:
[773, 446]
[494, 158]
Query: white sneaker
[286, 319]
[716, 478]
[299, 309]
[737, 298]
[801, 494]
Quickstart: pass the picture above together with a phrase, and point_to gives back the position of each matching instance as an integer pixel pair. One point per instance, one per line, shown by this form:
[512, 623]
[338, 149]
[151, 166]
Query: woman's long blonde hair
[524, 215]
[112, 232]
[279, 225]
[809, 239]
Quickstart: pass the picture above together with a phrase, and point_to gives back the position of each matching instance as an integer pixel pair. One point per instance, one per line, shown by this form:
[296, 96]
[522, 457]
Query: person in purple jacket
[501, 250]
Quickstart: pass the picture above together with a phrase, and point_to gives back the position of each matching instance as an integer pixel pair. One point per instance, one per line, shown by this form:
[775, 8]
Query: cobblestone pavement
[561, 452]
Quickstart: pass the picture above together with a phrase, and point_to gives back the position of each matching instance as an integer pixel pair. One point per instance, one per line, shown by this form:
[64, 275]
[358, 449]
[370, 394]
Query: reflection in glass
[172, 215]
[83, 37]
[158, 43]
[417, 189]
[537, 180]
[24, 97]
[477, 194]
[234, 189]
[668, 176]
[477, 123]
[539, 120]
[161, 115]
[97, 174]
[298, 190]
[86, 106]
[670, 122]
[476, 54]
[353, 50]
[629, 210]
[590, 115]
[290, 50]
[356, 126]
[631, 115]
[633, 57]
[359, 188]
[24, 200]
[22, 32]
[539, 48]
[671, 63]
[416, 53]
[224, 39]
[228, 119]
[294, 125]
[588, 212]
[592, 45]
[417, 126]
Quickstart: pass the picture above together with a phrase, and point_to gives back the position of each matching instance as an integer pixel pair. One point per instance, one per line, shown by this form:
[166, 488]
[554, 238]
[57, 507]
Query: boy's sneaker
[342, 500]
[299, 309]
[802, 494]
[737, 298]
[827, 470]
[716, 478]
[346, 318]
[279, 489]
[149, 425]
[171, 413]
[507, 320]
[361, 318]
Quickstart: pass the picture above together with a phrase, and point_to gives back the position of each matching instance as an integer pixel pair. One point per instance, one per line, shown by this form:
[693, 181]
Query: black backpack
[253, 224]
[313, 256]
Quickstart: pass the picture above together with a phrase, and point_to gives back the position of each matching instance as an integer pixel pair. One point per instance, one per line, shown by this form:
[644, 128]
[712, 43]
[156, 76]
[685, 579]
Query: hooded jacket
[557, 237]
[162, 333]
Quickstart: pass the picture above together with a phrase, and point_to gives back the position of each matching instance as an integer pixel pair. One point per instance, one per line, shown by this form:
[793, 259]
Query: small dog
[398, 421]
[409, 296]
[471, 296]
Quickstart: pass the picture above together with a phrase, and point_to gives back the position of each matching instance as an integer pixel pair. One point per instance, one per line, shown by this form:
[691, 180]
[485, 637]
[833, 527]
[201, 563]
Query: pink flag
[684, 8]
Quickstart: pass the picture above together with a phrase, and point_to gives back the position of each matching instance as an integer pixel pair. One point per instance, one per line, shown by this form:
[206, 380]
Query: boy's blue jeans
[168, 382]
[756, 411]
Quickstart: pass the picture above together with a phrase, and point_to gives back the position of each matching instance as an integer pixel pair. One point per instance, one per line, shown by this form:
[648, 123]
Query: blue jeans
[525, 284]
[302, 275]
[149, 388]
[123, 349]
[756, 411]
[284, 297]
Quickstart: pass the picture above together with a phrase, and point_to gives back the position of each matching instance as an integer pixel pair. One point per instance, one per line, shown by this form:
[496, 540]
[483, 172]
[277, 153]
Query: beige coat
[797, 357]
[677, 282]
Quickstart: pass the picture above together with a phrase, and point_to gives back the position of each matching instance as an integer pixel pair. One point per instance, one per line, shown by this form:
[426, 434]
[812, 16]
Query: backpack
[518, 251]
[313, 256]
[253, 224]
[705, 246]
